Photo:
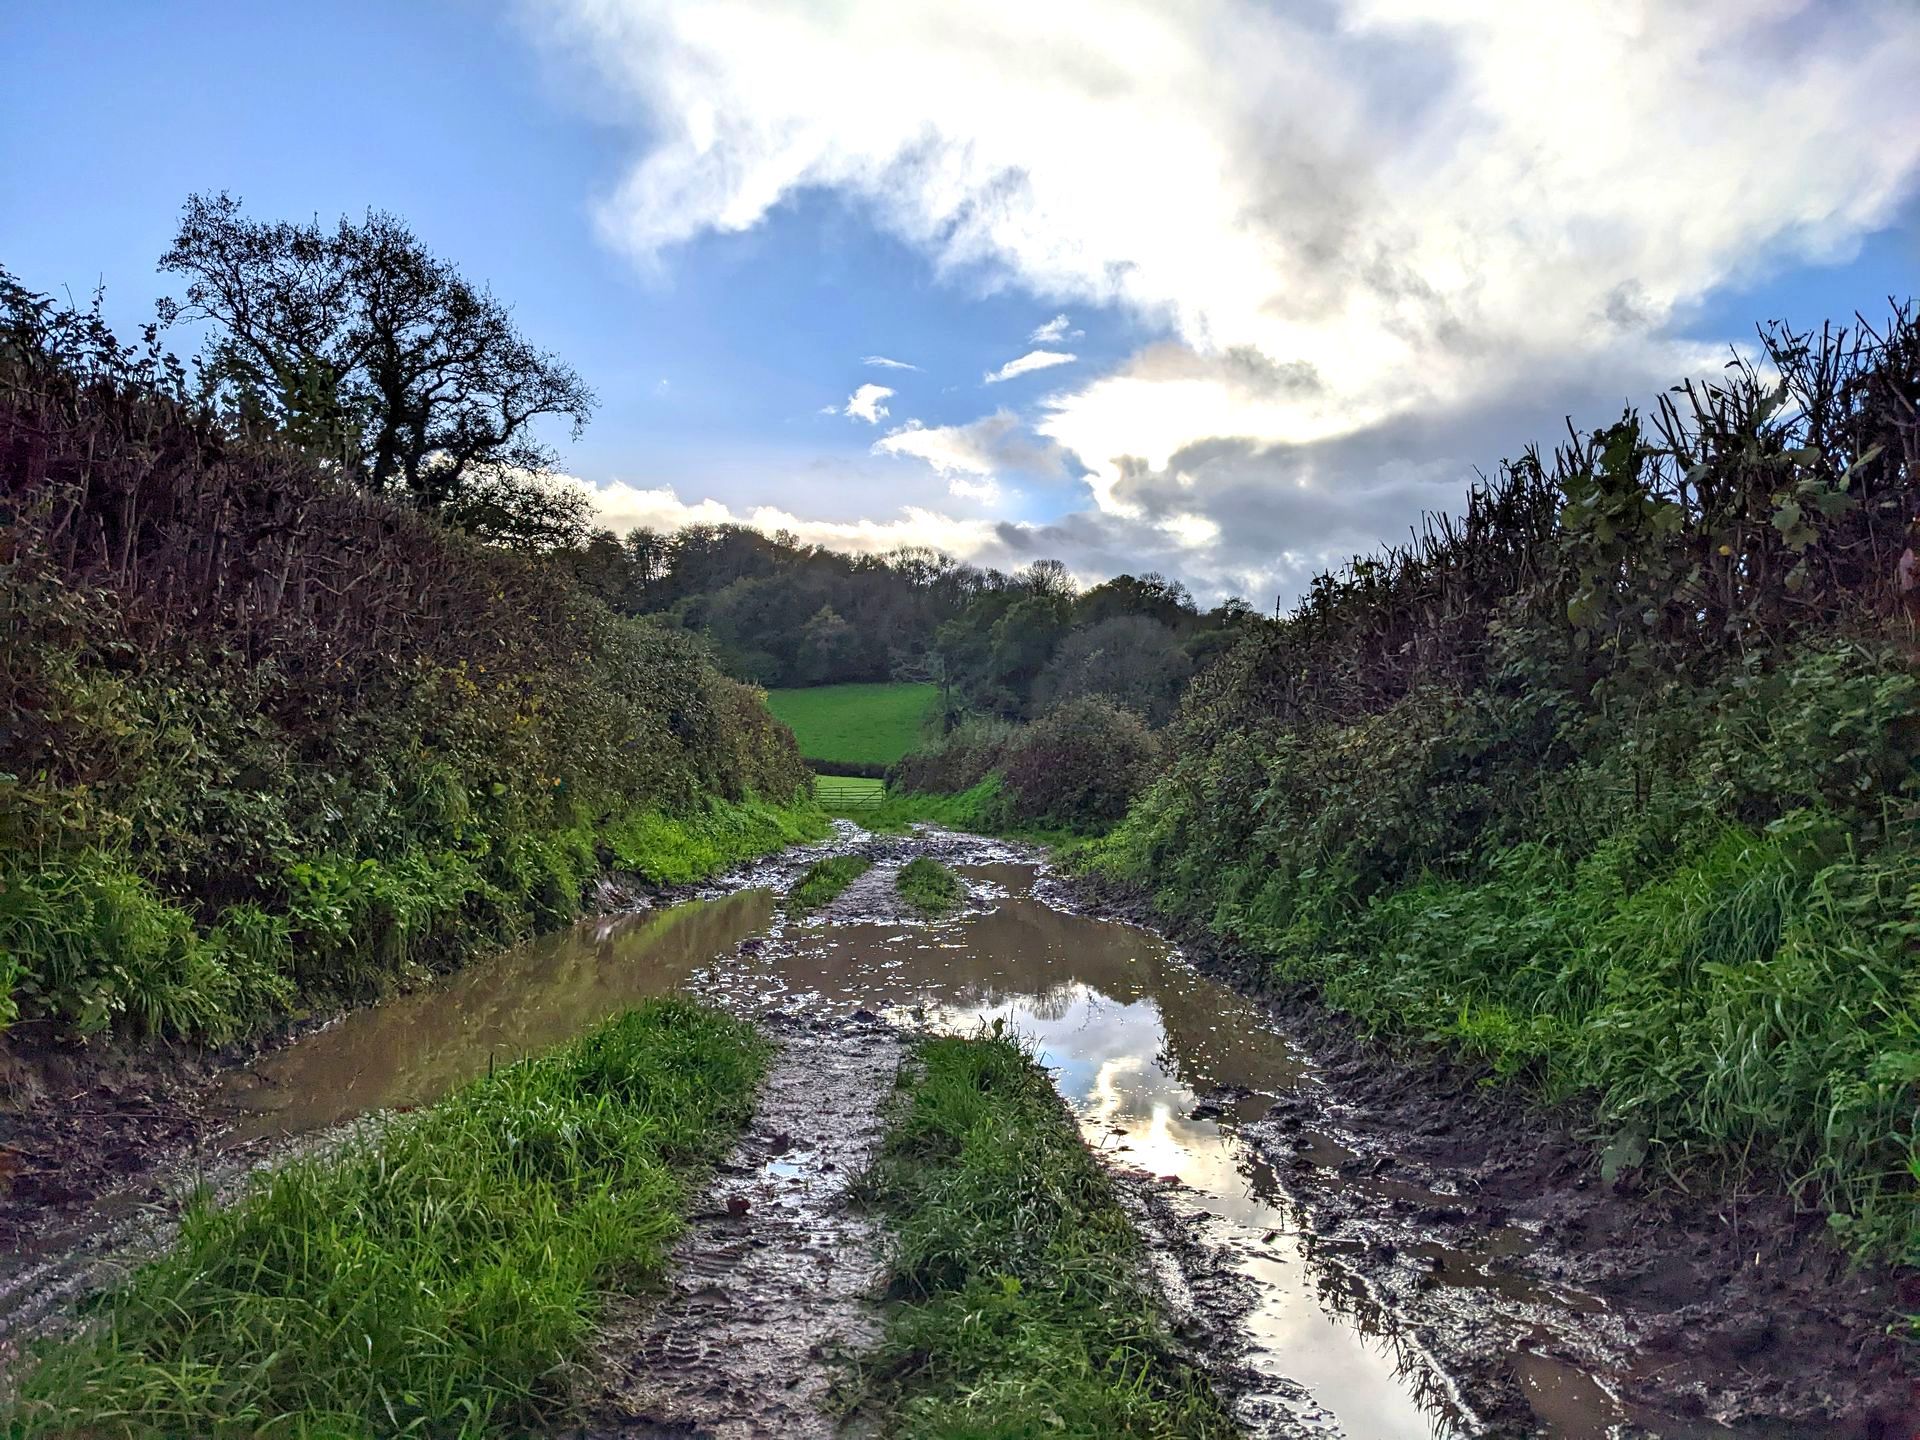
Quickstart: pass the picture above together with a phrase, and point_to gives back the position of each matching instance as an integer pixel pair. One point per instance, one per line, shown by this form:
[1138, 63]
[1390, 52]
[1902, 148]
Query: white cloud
[865, 404]
[1054, 331]
[1352, 222]
[1025, 364]
[829, 410]
[985, 447]
[621, 506]
[985, 492]
[885, 364]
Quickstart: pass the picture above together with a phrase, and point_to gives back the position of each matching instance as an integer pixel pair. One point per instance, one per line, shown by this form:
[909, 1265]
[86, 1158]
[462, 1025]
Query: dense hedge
[1075, 770]
[260, 733]
[1612, 783]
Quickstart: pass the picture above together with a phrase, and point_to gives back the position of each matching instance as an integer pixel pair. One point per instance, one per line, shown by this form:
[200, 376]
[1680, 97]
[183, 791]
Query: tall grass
[1018, 1303]
[1745, 1000]
[439, 1280]
[678, 849]
[96, 945]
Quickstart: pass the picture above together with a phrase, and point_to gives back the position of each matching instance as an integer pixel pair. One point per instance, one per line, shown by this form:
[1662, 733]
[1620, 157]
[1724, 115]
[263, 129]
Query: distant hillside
[785, 615]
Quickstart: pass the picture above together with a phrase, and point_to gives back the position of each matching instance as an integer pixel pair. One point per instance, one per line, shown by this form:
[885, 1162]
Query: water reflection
[414, 1048]
[1134, 1038]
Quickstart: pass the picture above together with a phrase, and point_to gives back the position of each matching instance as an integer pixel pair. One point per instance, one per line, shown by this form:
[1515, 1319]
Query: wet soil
[74, 1124]
[1360, 1243]
[1725, 1310]
[774, 1282]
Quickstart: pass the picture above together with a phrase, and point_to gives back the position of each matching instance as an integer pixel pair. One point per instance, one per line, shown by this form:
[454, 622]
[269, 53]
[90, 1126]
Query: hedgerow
[1612, 783]
[262, 734]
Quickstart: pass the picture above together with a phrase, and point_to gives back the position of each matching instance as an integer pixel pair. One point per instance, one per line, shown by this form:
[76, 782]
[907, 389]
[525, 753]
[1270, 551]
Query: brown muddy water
[1176, 1081]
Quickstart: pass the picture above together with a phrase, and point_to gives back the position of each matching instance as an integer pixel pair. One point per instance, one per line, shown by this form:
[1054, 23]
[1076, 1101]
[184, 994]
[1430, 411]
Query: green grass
[679, 849]
[928, 886]
[439, 1280]
[1745, 1000]
[980, 810]
[1018, 1304]
[824, 881]
[855, 724]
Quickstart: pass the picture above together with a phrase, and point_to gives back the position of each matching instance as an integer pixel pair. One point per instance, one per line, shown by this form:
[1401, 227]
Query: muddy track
[1731, 1306]
[774, 1280]
[1467, 1228]
[78, 1121]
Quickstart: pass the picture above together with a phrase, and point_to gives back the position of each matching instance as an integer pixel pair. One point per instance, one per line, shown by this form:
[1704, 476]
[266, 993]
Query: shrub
[958, 760]
[399, 741]
[1079, 767]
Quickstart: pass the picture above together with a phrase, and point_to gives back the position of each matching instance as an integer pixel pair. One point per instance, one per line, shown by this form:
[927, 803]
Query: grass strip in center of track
[825, 879]
[1019, 1302]
[441, 1279]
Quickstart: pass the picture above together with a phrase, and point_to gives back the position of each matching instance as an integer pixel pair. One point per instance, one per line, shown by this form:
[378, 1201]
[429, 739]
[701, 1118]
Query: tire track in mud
[776, 1274]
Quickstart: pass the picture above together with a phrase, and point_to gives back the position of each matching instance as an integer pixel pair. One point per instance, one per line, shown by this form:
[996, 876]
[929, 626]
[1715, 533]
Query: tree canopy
[358, 344]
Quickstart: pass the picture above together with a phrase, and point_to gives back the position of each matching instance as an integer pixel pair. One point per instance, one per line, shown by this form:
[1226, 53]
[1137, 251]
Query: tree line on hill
[781, 613]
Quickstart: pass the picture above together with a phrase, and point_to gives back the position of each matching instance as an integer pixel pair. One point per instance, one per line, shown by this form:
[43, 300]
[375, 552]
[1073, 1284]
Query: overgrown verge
[441, 1278]
[266, 738]
[825, 880]
[1018, 1294]
[928, 886]
[1072, 772]
[1612, 785]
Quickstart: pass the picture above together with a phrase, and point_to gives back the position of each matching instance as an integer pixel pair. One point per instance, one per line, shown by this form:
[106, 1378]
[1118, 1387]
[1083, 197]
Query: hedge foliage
[263, 735]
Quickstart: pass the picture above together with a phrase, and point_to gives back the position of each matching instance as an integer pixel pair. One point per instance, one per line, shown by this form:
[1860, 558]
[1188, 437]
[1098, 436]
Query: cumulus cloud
[988, 446]
[1054, 331]
[865, 404]
[886, 364]
[1027, 363]
[1342, 217]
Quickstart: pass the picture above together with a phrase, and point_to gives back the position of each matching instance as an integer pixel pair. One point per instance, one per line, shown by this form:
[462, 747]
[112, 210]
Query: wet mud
[1359, 1244]
[1722, 1312]
[774, 1282]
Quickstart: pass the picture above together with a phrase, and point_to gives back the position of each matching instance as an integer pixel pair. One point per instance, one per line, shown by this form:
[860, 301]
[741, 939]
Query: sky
[1228, 290]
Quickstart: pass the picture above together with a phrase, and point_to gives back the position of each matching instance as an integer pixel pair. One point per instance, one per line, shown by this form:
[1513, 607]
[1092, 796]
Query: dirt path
[776, 1273]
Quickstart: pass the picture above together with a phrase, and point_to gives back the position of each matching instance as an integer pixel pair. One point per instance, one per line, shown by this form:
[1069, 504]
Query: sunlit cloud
[866, 404]
[884, 363]
[1054, 331]
[988, 446]
[1435, 224]
[1028, 363]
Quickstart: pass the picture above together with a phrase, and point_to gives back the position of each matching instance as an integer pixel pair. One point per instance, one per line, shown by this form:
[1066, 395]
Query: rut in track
[763, 1296]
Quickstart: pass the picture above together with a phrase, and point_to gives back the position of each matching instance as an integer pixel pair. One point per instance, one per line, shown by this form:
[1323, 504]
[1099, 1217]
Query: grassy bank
[857, 724]
[678, 849]
[928, 886]
[439, 1280]
[97, 944]
[825, 880]
[1018, 1302]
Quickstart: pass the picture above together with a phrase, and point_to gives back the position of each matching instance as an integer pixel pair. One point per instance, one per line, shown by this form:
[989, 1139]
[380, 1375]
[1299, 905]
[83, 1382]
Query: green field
[855, 724]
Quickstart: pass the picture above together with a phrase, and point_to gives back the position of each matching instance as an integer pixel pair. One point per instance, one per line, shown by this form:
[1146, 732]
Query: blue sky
[715, 211]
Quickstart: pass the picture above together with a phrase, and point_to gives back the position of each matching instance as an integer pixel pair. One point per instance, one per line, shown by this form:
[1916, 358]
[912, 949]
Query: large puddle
[1165, 1069]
